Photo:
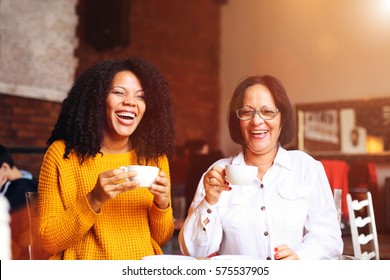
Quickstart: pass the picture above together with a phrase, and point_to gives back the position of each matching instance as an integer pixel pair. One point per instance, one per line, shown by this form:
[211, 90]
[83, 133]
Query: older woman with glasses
[287, 212]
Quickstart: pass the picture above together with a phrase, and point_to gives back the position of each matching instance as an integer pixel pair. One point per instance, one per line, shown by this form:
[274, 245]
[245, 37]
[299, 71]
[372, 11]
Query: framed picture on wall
[349, 127]
[320, 129]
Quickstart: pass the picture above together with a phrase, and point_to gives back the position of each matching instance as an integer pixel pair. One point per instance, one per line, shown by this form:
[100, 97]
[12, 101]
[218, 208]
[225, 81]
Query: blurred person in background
[5, 230]
[14, 182]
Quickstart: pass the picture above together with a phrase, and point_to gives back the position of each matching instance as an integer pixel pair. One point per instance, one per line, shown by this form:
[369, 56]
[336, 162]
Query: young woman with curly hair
[118, 113]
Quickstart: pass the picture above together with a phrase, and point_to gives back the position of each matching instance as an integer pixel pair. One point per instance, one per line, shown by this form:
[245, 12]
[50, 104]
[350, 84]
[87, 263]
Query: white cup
[145, 176]
[241, 174]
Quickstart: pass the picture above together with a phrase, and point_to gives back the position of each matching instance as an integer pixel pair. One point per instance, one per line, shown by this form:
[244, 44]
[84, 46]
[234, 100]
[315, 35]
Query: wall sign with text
[350, 127]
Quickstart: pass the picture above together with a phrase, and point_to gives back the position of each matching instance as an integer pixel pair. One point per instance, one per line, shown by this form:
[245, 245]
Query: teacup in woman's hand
[241, 174]
[145, 176]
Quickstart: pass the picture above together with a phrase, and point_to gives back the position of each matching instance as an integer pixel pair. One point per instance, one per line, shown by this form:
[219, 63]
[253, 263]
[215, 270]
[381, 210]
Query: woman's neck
[116, 147]
[262, 161]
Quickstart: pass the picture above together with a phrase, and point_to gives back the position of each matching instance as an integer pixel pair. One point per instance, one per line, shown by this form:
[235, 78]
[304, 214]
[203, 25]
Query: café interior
[332, 57]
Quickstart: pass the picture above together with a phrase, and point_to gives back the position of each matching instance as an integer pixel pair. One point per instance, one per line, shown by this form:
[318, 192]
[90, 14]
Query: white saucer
[234, 257]
[168, 257]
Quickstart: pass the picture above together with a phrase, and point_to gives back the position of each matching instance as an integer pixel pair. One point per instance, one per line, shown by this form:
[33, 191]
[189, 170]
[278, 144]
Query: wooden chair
[363, 228]
[35, 248]
[20, 233]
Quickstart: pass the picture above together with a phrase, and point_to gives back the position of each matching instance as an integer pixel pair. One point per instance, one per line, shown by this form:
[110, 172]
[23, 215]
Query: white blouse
[292, 205]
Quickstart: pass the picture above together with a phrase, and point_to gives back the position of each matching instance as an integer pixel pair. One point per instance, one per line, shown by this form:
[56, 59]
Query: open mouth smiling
[259, 132]
[126, 115]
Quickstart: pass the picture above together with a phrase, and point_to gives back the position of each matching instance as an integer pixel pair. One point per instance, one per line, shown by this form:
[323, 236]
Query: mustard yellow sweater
[127, 227]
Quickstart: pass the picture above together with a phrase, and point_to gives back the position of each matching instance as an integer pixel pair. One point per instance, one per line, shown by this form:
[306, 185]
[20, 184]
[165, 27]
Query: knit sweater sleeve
[60, 227]
[161, 221]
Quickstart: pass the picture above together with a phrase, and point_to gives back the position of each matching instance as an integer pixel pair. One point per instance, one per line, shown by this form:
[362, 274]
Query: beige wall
[37, 44]
[322, 50]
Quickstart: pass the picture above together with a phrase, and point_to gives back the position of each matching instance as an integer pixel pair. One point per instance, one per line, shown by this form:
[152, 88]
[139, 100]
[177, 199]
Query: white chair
[363, 228]
[337, 196]
[5, 230]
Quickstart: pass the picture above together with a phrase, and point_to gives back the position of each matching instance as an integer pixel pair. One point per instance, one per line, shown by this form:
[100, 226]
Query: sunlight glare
[382, 12]
[385, 6]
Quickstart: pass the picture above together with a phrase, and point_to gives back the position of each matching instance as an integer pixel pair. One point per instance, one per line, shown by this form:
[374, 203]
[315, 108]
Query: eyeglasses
[265, 112]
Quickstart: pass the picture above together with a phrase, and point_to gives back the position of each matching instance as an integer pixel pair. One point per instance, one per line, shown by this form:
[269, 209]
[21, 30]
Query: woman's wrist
[94, 203]
[161, 206]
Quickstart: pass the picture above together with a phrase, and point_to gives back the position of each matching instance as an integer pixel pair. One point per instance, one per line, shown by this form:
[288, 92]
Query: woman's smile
[125, 105]
[260, 136]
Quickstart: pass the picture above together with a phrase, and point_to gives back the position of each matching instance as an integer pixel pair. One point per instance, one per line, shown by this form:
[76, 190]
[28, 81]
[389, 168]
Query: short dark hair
[6, 156]
[282, 102]
[82, 117]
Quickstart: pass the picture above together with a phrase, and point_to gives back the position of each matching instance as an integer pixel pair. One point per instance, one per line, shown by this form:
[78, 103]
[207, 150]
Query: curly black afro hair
[82, 117]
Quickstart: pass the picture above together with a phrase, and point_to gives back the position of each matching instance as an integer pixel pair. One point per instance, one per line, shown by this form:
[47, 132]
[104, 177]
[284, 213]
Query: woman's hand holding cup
[108, 185]
[214, 183]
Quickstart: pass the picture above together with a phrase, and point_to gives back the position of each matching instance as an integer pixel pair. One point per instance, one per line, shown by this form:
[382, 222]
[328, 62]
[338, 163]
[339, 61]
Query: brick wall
[181, 37]
[26, 123]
